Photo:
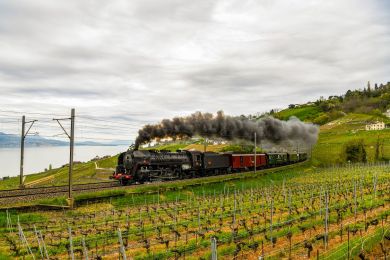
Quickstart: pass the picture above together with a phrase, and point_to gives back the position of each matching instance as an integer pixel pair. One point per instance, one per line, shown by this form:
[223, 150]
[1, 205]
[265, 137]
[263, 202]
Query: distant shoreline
[37, 146]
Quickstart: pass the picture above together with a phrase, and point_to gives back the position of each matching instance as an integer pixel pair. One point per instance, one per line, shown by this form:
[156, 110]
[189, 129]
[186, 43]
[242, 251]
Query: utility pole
[255, 152]
[23, 136]
[71, 146]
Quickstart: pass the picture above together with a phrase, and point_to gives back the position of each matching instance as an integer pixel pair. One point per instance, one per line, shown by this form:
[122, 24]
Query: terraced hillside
[335, 134]
[298, 213]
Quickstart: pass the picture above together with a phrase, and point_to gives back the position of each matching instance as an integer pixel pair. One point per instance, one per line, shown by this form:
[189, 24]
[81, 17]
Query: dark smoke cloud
[230, 128]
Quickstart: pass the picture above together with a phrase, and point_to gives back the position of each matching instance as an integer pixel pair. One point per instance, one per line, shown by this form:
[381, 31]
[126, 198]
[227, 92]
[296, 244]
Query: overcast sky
[136, 62]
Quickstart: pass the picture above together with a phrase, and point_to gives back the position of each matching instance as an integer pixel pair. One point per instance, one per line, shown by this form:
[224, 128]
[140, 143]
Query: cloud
[139, 61]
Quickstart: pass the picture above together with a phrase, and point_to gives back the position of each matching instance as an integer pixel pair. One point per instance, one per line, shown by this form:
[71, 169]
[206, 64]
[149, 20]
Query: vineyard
[327, 213]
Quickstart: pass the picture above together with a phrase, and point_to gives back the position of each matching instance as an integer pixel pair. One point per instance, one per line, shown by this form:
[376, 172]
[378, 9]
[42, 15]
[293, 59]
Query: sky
[122, 64]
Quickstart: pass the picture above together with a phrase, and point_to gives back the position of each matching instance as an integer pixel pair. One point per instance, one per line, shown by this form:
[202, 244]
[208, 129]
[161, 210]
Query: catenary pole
[71, 149]
[22, 152]
[255, 152]
[22, 138]
[70, 195]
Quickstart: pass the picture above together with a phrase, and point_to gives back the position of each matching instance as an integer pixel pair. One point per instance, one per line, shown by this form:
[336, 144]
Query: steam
[230, 128]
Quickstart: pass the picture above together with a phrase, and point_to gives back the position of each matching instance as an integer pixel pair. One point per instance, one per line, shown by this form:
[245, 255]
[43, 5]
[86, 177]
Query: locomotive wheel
[123, 182]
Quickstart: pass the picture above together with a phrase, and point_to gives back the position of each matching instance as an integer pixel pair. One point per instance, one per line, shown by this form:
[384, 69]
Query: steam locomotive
[139, 166]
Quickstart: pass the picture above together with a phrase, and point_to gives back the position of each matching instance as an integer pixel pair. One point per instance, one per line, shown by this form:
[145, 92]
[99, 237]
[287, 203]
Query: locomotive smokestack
[229, 128]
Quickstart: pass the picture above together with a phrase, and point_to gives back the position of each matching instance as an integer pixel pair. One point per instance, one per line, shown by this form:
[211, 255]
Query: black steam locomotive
[138, 166]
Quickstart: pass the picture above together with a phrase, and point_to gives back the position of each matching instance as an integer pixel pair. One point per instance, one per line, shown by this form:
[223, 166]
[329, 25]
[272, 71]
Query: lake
[36, 159]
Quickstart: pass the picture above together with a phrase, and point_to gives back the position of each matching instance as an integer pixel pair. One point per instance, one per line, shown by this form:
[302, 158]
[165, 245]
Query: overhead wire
[82, 126]
[31, 113]
[108, 121]
[46, 119]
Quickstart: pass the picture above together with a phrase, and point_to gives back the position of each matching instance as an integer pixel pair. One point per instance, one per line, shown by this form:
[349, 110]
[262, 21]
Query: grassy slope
[306, 113]
[336, 133]
[171, 146]
[109, 162]
[209, 148]
[82, 173]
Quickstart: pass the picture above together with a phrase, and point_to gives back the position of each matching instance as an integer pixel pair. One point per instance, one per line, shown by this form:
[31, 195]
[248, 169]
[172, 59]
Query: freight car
[240, 162]
[214, 163]
[149, 165]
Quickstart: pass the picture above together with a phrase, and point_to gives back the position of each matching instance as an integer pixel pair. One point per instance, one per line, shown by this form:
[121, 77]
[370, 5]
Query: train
[140, 166]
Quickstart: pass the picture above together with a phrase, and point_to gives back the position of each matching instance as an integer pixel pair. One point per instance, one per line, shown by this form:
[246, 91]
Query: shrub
[322, 119]
[354, 151]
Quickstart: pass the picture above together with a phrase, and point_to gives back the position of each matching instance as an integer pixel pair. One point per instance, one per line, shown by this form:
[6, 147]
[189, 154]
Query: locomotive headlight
[185, 166]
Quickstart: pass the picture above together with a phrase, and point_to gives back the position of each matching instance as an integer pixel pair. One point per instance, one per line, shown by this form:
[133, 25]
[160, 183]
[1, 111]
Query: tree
[379, 149]
[324, 106]
[369, 92]
[355, 151]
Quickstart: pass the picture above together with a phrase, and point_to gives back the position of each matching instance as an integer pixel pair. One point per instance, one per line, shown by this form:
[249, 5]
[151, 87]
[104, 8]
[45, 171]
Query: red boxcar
[242, 161]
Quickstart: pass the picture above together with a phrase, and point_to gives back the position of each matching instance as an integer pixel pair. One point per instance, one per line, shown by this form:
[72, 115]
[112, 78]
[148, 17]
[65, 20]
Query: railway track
[26, 192]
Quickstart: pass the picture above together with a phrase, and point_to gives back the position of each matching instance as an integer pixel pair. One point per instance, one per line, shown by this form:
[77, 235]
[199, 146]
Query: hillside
[10, 140]
[335, 134]
[370, 101]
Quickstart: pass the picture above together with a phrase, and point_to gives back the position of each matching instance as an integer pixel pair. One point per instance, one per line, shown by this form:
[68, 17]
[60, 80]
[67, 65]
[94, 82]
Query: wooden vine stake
[272, 214]
[214, 248]
[85, 250]
[38, 241]
[9, 222]
[234, 210]
[121, 248]
[289, 202]
[348, 243]
[326, 218]
[355, 199]
[70, 243]
[43, 244]
[24, 240]
[375, 178]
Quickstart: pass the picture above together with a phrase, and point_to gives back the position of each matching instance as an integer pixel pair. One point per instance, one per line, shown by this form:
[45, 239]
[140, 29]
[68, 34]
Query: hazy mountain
[10, 140]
